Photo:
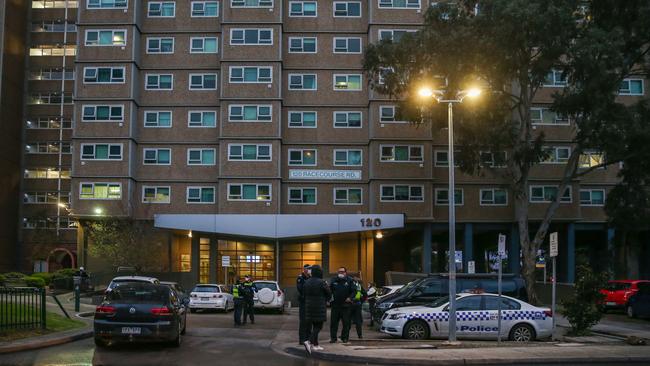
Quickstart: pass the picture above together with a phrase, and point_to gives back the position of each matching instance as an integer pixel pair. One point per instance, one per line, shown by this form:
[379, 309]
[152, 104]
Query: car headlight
[396, 316]
[385, 305]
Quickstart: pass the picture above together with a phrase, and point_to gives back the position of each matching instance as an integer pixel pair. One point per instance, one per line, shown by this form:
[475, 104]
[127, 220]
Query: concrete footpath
[56, 338]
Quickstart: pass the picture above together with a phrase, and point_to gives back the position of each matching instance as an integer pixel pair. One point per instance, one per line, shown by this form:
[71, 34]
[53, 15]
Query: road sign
[502, 245]
[225, 261]
[471, 267]
[553, 244]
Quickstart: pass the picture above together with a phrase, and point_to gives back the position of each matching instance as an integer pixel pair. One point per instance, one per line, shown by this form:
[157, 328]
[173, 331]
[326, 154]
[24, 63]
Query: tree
[582, 309]
[511, 47]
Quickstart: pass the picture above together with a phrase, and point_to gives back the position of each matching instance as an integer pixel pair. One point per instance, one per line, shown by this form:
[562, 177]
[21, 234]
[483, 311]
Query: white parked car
[268, 296]
[211, 296]
[122, 279]
[476, 317]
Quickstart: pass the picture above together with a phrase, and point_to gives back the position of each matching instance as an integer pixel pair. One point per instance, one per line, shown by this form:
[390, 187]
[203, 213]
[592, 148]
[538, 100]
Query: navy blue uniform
[343, 291]
[249, 289]
[303, 333]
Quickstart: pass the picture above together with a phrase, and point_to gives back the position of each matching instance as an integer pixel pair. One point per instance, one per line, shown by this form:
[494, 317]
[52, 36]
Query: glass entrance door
[254, 259]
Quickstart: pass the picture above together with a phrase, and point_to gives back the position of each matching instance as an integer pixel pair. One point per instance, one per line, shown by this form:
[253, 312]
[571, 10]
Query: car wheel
[101, 342]
[630, 311]
[192, 311]
[416, 329]
[177, 341]
[522, 333]
[184, 326]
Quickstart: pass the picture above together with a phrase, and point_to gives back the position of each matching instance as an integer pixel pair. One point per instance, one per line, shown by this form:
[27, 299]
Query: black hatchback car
[426, 290]
[138, 311]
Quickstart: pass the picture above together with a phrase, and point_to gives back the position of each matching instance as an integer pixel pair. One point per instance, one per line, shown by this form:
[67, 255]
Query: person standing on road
[316, 293]
[249, 290]
[360, 296]
[302, 324]
[343, 291]
[372, 300]
[238, 297]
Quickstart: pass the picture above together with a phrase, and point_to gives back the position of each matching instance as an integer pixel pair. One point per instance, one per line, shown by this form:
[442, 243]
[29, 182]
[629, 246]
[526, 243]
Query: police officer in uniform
[303, 333]
[249, 289]
[372, 300]
[360, 295]
[343, 291]
[238, 296]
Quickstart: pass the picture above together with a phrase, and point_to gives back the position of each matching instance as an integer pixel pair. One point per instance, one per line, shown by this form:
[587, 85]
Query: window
[160, 45]
[592, 197]
[589, 159]
[401, 153]
[631, 87]
[402, 193]
[394, 35]
[347, 82]
[347, 119]
[251, 36]
[203, 45]
[548, 194]
[302, 8]
[470, 303]
[53, 50]
[202, 119]
[159, 82]
[442, 197]
[101, 151]
[347, 9]
[348, 196]
[46, 173]
[205, 9]
[303, 157]
[302, 196]
[50, 98]
[254, 74]
[492, 303]
[302, 44]
[200, 156]
[347, 157]
[106, 37]
[159, 9]
[157, 119]
[106, 4]
[347, 45]
[556, 154]
[203, 81]
[544, 116]
[249, 152]
[50, 123]
[52, 74]
[156, 156]
[302, 81]
[303, 119]
[492, 159]
[200, 194]
[399, 4]
[441, 158]
[249, 192]
[100, 191]
[102, 113]
[494, 197]
[249, 113]
[103, 75]
[251, 3]
[155, 194]
[555, 78]
[53, 147]
[388, 114]
[46, 197]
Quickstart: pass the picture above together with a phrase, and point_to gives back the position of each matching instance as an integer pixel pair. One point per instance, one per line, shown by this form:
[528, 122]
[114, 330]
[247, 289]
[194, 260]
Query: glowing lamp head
[425, 92]
[98, 211]
[379, 235]
[474, 92]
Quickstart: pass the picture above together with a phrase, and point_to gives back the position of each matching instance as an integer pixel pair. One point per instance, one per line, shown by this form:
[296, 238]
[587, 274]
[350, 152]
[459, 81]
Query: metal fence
[22, 308]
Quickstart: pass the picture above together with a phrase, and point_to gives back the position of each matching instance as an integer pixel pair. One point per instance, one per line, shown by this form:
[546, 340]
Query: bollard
[77, 296]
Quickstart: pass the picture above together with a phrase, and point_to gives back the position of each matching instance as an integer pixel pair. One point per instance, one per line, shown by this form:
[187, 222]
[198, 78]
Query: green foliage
[46, 276]
[32, 281]
[65, 272]
[3, 280]
[15, 275]
[582, 309]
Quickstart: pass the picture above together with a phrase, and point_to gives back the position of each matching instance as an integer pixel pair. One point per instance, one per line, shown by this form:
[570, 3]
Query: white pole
[451, 198]
[553, 300]
[499, 303]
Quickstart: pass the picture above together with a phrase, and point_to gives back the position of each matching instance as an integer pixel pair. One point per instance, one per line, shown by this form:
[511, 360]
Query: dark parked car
[140, 311]
[428, 289]
[182, 294]
[639, 304]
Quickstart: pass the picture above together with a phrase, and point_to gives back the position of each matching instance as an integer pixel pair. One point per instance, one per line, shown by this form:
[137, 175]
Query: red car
[618, 292]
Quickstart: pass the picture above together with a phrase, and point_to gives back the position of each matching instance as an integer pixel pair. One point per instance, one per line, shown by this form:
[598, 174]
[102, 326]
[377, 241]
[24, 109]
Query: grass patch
[54, 322]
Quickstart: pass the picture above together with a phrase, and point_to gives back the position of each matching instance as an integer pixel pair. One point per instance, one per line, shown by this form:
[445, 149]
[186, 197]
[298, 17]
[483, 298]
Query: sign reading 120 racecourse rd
[325, 174]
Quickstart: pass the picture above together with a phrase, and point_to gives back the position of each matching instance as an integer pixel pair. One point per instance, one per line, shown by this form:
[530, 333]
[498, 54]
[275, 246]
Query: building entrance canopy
[279, 226]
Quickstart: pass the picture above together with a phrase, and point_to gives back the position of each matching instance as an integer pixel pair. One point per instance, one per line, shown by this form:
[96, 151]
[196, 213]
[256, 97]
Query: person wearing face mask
[343, 291]
[302, 324]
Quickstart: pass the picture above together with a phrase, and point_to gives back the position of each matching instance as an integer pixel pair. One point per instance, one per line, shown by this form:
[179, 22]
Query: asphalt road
[210, 340]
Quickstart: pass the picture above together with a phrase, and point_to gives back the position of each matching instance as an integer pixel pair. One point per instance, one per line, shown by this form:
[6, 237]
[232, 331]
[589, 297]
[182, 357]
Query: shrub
[46, 276]
[65, 272]
[31, 281]
[3, 280]
[15, 275]
[582, 309]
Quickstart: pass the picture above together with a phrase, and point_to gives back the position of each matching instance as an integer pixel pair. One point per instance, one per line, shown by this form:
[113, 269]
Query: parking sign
[225, 261]
[553, 244]
[501, 249]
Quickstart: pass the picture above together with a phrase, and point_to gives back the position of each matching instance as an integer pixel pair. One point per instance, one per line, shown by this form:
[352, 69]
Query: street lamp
[441, 97]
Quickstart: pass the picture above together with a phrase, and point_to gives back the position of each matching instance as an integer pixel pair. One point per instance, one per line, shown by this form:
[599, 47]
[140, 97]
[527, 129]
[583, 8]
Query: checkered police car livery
[476, 317]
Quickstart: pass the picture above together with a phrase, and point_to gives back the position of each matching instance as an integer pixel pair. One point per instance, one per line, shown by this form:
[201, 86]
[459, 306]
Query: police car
[476, 317]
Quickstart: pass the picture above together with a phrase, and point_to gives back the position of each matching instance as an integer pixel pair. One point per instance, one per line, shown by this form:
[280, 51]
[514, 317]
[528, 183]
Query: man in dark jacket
[343, 292]
[249, 290]
[316, 293]
[302, 324]
[238, 297]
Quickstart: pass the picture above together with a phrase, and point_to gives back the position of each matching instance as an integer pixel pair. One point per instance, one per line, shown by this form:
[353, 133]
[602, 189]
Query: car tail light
[161, 311]
[103, 309]
[548, 313]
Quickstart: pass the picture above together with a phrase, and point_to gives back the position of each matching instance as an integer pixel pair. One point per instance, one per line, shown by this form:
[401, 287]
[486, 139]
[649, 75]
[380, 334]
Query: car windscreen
[618, 286]
[269, 285]
[205, 289]
[439, 302]
[124, 280]
[138, 293]
[408, 287]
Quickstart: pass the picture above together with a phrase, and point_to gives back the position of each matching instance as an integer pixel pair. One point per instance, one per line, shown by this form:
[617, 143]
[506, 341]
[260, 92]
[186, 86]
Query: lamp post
[440, 97]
